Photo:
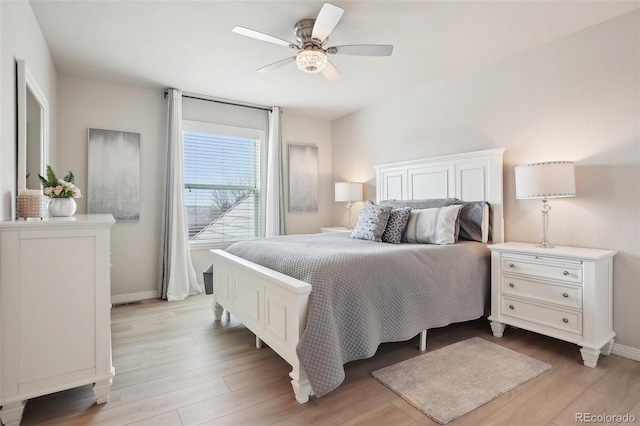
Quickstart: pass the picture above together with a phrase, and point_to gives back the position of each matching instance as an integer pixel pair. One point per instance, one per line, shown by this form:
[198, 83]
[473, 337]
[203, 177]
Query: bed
[320, 327]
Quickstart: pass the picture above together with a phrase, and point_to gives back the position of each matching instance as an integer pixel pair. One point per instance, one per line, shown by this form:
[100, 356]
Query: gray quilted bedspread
[365, 293]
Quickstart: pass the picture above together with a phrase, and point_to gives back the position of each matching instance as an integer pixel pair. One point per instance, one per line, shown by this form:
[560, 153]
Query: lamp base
[545, 225]
[545, 244]
[349, 205]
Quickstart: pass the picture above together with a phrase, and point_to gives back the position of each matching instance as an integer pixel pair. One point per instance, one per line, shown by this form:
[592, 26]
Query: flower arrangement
[59, 188]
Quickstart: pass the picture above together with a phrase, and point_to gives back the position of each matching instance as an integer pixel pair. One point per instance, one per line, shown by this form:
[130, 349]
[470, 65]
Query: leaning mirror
[33, 129]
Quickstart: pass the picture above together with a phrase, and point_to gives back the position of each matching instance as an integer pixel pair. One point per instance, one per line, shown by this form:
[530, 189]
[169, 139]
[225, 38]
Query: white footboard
[270, 304]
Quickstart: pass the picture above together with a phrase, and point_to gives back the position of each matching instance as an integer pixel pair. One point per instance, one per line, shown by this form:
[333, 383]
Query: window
[222, 179]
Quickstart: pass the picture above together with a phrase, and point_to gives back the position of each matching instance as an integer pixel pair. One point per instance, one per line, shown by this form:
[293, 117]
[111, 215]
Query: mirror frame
[25, 81]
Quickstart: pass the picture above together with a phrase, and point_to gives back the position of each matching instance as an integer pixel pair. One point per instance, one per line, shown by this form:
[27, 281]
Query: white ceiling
[189, 44]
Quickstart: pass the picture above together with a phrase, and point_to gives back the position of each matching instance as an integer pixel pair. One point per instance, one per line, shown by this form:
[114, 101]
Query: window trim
[234, 131]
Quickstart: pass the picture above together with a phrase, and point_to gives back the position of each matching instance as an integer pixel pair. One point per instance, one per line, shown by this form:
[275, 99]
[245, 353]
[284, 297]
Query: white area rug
[452, 381]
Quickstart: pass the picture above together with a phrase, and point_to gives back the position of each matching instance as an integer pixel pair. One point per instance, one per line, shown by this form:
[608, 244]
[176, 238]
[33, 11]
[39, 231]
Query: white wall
[86, 103]
[572, 99]
[310, 131]
[21, 38]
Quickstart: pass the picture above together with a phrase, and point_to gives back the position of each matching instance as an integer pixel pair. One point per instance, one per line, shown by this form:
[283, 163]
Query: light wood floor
[176, 366]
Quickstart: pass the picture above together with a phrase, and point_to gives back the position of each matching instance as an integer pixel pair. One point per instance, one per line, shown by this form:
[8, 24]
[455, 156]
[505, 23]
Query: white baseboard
[133, 297]
[626, 351]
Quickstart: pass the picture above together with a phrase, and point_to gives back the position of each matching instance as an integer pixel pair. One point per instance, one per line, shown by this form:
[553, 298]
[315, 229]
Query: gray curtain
[178, 275]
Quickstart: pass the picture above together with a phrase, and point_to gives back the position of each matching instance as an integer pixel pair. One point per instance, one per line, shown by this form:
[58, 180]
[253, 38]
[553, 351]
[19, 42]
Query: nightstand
[336, 229]
[562, 292]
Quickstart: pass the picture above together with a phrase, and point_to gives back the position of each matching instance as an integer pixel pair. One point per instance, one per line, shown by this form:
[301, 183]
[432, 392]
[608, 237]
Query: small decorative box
[31, 203]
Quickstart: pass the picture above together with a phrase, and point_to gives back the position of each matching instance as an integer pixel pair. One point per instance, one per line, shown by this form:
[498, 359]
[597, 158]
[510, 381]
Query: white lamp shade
[348, 191]
[551, 179]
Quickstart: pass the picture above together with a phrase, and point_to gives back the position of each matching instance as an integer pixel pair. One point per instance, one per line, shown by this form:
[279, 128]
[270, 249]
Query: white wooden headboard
[472, 176]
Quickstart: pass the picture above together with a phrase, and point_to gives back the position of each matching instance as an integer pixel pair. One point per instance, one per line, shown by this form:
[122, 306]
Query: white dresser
[54, 309]
[562, 292]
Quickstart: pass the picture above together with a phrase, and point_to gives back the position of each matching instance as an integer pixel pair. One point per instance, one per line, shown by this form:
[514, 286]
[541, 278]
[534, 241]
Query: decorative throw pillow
[428, 203]
[433, 226]
[474, 221]
[395, 225]
[371, 222]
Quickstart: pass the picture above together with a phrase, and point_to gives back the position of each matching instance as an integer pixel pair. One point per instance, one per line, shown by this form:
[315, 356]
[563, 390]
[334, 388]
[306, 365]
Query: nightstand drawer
[557, 318]
[568, 271]
[561, 294]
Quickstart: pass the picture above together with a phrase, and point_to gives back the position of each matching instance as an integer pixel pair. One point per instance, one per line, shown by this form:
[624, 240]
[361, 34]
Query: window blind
[222, 187]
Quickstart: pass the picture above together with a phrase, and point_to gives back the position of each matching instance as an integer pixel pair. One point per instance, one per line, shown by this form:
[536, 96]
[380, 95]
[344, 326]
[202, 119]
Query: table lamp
[349, 192]
[550, 179]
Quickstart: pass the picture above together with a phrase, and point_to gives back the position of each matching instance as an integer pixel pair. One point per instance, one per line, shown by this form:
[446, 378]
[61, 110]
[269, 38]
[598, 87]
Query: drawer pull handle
[565, 295]
[511, 265]
[565, 320]
[511, 285]
[511, 307]
[565, 273]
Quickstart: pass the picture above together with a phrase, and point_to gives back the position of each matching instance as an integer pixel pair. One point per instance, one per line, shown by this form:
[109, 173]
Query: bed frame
[274, 306]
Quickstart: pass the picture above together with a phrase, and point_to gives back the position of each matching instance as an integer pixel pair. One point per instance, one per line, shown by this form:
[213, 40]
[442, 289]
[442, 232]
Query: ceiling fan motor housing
[303, 31]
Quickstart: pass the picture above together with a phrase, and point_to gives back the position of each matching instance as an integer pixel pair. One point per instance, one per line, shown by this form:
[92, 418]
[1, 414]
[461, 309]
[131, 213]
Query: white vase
[62, 207]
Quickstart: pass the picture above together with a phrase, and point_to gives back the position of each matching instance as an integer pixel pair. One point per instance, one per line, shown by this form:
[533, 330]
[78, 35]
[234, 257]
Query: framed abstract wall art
[303, 178]
[114, 174]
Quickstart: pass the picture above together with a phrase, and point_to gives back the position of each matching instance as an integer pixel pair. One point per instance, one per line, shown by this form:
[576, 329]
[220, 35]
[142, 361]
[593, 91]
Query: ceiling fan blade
[326, 21]
[362, 49]
[276, 65]
[331, 73]
[261, 36]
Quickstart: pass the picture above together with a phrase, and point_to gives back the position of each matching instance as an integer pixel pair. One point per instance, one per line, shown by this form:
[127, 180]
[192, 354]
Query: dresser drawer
[561, 294]
[557, 318]
[561, 270]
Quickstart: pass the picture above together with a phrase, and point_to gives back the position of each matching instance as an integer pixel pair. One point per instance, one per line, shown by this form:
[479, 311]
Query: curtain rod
[221, 101]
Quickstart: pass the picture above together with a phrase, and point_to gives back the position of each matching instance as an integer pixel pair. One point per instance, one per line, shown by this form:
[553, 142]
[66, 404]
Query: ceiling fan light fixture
[311, 60]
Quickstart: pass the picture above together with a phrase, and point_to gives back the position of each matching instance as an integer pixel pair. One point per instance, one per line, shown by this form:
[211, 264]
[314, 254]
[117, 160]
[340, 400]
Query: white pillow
[433, 226]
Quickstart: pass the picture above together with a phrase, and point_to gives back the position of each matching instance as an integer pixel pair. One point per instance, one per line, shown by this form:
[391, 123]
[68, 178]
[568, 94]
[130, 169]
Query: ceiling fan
[311, 36]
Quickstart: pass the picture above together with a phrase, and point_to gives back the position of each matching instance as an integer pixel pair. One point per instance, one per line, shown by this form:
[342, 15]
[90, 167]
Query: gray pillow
[372, 222]
[428, 203]
[475, 221]
[433, 226]
[395, 225]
